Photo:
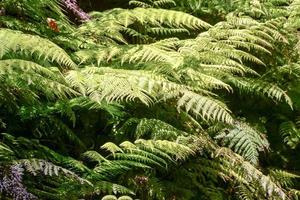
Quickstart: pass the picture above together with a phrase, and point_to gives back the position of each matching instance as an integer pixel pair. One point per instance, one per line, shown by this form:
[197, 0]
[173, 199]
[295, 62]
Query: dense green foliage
[159, 99]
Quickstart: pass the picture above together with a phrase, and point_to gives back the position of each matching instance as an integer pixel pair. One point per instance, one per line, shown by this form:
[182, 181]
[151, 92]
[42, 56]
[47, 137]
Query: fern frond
[144, 159]
[121, 85]
[206, 107]
[152, 52]
[171, 18]
[244, 140]
[18, 42]
[166, 31]
[75, 166]
[152, 3]
[5, 152]
[157, 130]
[99, 56]
[58, 128]
[35, 80]
[35, 166]
[131, 149]
[139, 4]
[11, 65]
[125, 198]
[294, 193]
[251, 174]
[109, 197]
[118, 167]
[95, 156]
[110, 188]
[113, 148]
[291, 133]
[283, 178]
[204, 80]
[180, 151]
[261, 88]
[244, 193]
[143, 154]
[111, 24]
[160, 3]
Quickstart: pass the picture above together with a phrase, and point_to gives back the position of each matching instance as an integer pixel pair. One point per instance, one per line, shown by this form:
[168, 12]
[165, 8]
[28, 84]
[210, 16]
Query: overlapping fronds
[128, 99]
[30, 16]
[99, 56]
[152, 3]
[170, 18]
[244, 140]
[35, 166]
[283, 178]
[249, 176]
[219, 9]
[159, 52]
[112, 24]
[157, 130]
[34, 8]
[206, 107]
[128, 85]
[32, 161]
[156, 52]
[121, 85]
[34, 46]
[293, 9]
[143, 154]
[36, 81]
[260, 88]
[212, 53]
[290, 132]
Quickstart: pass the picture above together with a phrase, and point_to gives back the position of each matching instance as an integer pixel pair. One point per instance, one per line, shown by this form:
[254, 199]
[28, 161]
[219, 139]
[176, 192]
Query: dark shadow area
[101, 5]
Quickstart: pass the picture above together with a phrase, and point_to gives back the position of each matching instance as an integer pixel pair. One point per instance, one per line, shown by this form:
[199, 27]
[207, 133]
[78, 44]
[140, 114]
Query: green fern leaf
[18, 42]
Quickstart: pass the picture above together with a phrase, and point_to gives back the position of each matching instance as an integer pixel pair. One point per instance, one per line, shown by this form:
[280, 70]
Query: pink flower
[73, 7]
